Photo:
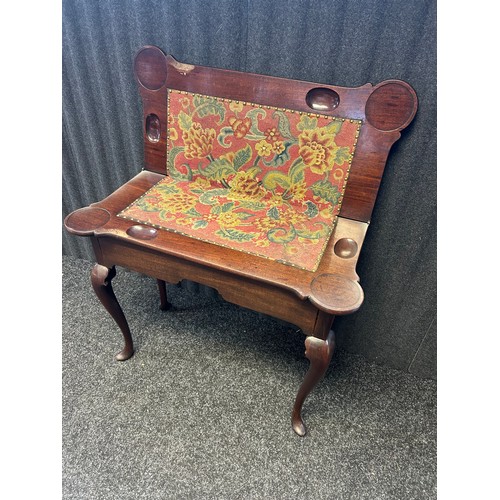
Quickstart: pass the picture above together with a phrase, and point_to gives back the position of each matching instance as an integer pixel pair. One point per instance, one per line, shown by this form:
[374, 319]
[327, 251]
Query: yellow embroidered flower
[264, 224]
[172, 134]
[264, 148]
[178, 202]
[245, 187]
[291, 250]
[293, 217]
[297, 191]
[278, 147]
[275, 200]
[327, 212]
[240, 127]
[317, 149]
[185, 102]
[228, 219]
[198, 141]
[262, 243]
[209, 217]
[235, 106]
[200, 183]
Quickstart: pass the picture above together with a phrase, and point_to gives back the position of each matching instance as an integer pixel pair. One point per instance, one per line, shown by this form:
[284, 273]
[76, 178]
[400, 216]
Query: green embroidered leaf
[196, 190]
[281, 235]
[296, 171]
[167, 188]
[185, 121]
[273, 213]
[252, 205]
[342, 155]
[242, 156]
[227, 206]
[181, 172]
[209, 197]
[253, 114]
[253, 171]
[171, 155]
[312, 209]
[324, 230]
[326, 191]
[254, 137]
[200, 224]
[284, 125]
[235, 235]
[334, 126]
[275, 178]
[221, 138]
[307, 123]
[245, 215]
[218, 169]
[208, 106]
[145, 205]
[192, 212]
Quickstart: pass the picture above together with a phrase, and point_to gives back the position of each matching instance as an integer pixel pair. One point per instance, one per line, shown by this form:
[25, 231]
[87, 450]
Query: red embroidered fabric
[262, 180]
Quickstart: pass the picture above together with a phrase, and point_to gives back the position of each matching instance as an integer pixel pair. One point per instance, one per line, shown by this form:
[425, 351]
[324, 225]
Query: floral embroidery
[271, 134]
[235, 106]
[278, 147]
[264, 148]
[240, 127]
[245, 187]
[172, 134]
[197, 141]
[262, 180]
[315, 148]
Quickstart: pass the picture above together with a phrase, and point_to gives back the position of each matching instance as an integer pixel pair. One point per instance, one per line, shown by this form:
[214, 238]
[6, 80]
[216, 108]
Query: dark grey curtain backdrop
[341, 42]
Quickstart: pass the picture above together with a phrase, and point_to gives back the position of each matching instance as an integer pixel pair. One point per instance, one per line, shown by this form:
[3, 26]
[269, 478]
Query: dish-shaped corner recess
[153, 128]
[336, 294]
[391, 106]
[84, 221]
[141, 232]
[150, 68]
[346, 248]
[322, 99]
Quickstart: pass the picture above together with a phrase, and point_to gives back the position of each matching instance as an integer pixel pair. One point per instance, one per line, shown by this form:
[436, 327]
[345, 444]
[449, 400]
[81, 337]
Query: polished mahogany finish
[142, 232]
[153, 128]
[309, 300]
[322, 99]
[391, 106]
[101, 282]
[165, 305]
[346, 248]
[319, 352]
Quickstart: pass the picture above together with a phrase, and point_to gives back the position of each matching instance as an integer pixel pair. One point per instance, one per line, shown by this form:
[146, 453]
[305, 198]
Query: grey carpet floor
[202, 410]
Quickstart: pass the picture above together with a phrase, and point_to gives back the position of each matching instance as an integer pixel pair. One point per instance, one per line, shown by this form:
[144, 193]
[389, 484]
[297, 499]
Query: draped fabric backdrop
[340, 42]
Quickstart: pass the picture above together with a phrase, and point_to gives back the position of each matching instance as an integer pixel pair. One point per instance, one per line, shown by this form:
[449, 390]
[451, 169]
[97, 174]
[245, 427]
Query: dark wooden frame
[310, 300]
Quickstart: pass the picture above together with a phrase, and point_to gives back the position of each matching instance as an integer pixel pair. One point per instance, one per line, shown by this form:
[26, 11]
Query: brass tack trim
[338, 206]
[265, 106]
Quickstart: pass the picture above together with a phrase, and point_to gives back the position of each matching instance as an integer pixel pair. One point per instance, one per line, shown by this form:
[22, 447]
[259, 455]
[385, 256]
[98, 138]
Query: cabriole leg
[319, 352]
[101, 282]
